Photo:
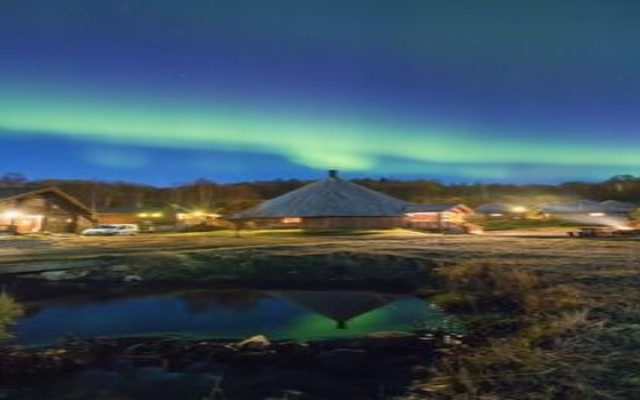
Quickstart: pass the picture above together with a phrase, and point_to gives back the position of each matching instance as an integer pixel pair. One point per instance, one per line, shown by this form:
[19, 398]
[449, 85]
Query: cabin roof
[331, 197]
[574, 206]
[12, 193]
[454, 207]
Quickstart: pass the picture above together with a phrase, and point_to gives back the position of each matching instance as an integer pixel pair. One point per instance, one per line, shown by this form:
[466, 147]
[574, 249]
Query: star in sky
[538, 91]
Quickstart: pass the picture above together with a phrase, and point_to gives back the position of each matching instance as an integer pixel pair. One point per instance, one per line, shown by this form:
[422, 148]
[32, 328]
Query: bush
[10, 311]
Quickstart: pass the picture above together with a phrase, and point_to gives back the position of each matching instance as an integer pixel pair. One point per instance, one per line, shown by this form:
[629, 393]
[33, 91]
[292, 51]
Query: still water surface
[227, 314]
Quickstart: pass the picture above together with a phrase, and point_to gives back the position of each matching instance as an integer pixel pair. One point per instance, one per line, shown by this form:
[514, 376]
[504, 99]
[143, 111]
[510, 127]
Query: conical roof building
[329, 203]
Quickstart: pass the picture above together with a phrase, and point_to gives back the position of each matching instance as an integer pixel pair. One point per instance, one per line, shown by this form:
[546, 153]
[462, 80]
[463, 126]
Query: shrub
[10, 310]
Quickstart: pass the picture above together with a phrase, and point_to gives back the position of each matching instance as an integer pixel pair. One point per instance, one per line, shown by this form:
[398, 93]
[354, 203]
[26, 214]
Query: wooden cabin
[331, 203]
[334, 203]
[438, 217]
[32, 210]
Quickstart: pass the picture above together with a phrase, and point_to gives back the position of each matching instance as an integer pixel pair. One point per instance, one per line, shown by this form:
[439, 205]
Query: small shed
[438, 217]
[33, 210]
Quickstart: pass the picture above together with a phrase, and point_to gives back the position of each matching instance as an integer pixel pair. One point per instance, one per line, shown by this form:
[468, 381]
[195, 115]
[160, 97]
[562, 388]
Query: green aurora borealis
[537, 93]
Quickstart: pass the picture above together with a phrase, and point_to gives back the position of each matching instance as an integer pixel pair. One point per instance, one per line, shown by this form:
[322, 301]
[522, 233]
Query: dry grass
[565, 339]
[556, 317]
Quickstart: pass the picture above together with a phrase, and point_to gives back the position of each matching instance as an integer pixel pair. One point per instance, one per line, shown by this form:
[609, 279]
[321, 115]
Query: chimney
[333, 173]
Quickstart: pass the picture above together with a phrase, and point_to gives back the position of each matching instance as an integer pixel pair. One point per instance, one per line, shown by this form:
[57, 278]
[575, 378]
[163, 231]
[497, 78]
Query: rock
[221, 352]
[257, 342]
[343, 360]
[118, 268]
[63, 275]
[290, 395]
[197, 366]
[390, 340]
[295, 350]
[132, 278]
[254, 357]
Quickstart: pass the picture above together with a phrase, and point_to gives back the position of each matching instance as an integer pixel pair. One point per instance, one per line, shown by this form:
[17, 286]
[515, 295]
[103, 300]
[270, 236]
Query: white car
[112, 230]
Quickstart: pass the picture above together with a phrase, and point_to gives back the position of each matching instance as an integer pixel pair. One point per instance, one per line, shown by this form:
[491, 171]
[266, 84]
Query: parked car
[112, 230]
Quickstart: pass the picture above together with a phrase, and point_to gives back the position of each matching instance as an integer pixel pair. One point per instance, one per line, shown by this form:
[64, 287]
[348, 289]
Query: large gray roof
[573, 206]
[331, 197]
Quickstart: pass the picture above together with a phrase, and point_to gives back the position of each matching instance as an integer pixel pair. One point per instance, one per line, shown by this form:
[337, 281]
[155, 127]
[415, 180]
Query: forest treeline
[230, 197]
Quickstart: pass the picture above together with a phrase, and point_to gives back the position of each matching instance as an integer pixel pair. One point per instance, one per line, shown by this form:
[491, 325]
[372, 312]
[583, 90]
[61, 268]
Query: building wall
[352, 222]
[445, 220]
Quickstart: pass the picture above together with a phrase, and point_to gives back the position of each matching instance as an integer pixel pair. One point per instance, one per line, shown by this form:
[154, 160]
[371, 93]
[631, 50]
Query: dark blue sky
[164, 92]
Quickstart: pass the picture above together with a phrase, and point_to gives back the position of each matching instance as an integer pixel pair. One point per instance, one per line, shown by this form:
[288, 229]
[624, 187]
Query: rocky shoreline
[252, 267]
[379, 365]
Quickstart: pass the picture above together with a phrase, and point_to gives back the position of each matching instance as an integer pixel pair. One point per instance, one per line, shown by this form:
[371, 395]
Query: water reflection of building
[339, 306]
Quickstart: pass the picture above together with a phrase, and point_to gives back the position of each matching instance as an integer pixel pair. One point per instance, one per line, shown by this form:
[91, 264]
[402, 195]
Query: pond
[225, 313]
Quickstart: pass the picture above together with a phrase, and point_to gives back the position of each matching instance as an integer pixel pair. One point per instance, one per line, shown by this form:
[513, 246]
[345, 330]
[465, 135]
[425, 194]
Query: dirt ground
[551, 244]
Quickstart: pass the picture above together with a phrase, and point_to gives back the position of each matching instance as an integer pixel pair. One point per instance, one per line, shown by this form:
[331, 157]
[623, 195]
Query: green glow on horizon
[317, 141]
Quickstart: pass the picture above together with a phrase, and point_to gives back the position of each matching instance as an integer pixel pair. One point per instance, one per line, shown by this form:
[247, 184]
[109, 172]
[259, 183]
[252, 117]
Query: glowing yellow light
[143, 215]
[197, 213]
[156, 215]
[518, 209]
[12, 214]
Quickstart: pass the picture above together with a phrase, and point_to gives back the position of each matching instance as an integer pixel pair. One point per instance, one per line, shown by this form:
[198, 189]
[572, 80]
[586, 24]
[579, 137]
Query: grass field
[555, 317]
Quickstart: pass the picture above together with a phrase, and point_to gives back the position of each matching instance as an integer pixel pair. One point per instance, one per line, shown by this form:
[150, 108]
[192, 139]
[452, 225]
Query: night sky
[165, 92]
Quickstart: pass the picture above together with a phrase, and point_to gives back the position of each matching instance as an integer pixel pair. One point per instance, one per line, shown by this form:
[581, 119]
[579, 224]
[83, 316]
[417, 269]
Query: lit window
[291, 220]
